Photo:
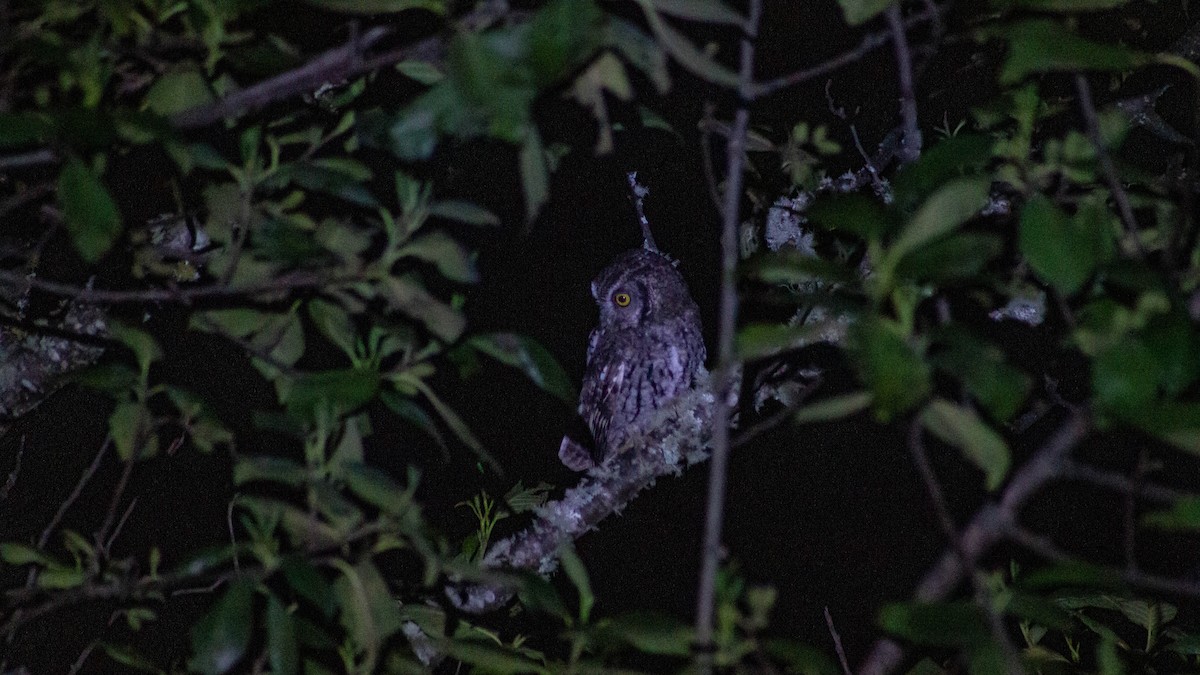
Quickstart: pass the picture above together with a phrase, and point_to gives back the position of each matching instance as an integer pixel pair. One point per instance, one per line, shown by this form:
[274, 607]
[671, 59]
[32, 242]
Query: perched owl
[646, 351]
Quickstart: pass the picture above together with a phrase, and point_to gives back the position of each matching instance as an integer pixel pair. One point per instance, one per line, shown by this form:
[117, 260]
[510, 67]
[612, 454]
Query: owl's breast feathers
[634, 373]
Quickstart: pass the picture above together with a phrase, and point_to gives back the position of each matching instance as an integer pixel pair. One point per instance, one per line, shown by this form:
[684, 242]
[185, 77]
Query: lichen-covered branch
[33, 364]
[678, 437]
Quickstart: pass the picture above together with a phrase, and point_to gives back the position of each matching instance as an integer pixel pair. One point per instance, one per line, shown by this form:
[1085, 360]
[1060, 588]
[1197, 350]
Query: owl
[646, 352]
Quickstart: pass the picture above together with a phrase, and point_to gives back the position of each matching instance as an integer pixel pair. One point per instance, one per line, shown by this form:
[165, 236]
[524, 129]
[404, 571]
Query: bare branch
[1088, 107]
[991, 523]
[837, 642]
[735, 153]
[910, 145]
[869, 44]
[74, 496]
[639, 193]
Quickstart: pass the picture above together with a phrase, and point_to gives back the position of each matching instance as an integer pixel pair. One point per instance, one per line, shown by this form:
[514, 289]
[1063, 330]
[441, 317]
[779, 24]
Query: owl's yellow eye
[622, 299]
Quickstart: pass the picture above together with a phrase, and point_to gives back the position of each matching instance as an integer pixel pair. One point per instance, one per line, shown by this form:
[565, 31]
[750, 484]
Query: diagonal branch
[991, 523]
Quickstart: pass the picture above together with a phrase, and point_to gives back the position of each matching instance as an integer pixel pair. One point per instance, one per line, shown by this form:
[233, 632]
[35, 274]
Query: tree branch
[869, 44]
[735, 151]
[991, 523]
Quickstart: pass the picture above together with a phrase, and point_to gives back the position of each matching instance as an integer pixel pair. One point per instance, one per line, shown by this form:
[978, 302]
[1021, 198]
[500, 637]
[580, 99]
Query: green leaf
[1063, 6]
[493, 658]
[1125, 377]
[960, 256]
[531, 358]
[249, 468]
[376, 488]
[220, 639]
[898, 377]
[800, 658]
[1172, 340]
[348, 388]
[1062, 250]
[833, 408]
[369, 613]
[334, 323]
[535, 177]
[1183, 516]
[341, 181]
[794, 268]
[578, 575]
[942, 213]
[19, 554]
[143, 345]
[941, 162]
[421, 71]
[759, 340]
[652, 633]
[1044, 45]
[282, 648]
[684, 52]
[60, 578]
[978, 442]
[861, 11]
[456, 424]
[410, 298]
[23, 129]
[92, 217]
[451, 258]
[463, 212]
[999, 387]
[178, 90]
[1174, 422]
[308, 583]
[129, 657]
[705, 11]
[957, 624]
[857, 214]
[562, 35]
[412, 134]
[379, 6]
[129, 425]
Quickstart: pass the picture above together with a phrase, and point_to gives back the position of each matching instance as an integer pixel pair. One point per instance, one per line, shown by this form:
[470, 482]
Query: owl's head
[640, 286]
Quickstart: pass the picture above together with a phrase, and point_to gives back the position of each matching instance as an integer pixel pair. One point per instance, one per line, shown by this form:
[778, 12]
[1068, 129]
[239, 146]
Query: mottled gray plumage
[646, 351]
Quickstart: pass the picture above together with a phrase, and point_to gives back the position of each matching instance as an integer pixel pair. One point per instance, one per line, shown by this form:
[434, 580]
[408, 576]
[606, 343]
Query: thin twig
[706, 160]
[1130, 516]
[910, 146]
[83, 481]
[16, 471]
[1088, 106]
[983, 597]
[110, 517]
[735, 150]
[120, 524]
[1085, 473]
[300, 279]
[83, 657]
[1046, 548]
[639, 193]
[989, 525]
[869, 44]
[25, 160]
[837, 642]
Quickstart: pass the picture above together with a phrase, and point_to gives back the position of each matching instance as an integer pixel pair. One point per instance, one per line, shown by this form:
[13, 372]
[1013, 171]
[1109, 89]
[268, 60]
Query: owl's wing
[606, 393]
